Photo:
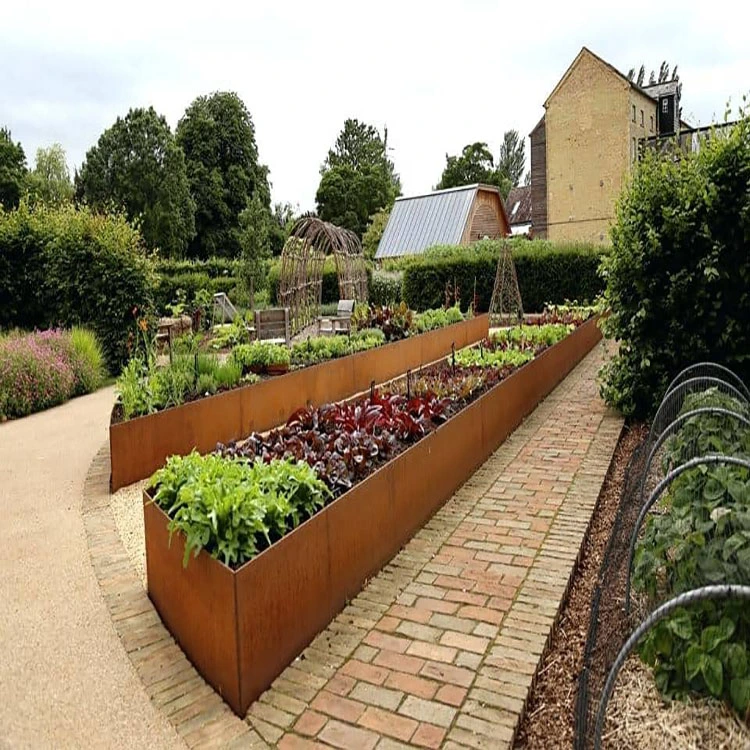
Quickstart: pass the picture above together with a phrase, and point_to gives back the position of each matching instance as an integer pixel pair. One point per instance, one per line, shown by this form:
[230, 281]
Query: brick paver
[441, 648]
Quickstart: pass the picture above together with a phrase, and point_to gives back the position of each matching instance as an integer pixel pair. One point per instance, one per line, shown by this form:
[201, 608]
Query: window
[633, 151]
[642, 118]
[665, 105]
[634, 113]
[652, 123]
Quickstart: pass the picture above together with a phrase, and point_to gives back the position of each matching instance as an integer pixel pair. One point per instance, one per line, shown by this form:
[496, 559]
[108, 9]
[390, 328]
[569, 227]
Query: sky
[438, 75]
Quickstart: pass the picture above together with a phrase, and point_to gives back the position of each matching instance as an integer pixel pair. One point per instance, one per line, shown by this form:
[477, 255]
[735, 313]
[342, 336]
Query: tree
[357, 178]
[512, 161]
[375, 229]
[49, 182]
[218, 137]
[137, 165]
[282, 218]
[475, 164]
[12, 170]
[254, 224]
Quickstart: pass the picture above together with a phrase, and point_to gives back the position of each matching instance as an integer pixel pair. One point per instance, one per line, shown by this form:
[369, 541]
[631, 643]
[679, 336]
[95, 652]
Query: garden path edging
[197, 712]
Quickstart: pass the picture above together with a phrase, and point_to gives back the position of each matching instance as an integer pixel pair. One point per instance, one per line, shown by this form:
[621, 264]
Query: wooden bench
[272, 325]
[339, 323]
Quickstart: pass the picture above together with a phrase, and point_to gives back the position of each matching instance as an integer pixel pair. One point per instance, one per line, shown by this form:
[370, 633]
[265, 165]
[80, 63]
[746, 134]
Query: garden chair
[339, 323]
[272, 325]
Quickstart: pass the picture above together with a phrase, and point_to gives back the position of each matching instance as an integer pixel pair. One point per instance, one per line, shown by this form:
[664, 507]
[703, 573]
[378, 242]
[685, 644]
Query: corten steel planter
[140, 446]
[241, 628]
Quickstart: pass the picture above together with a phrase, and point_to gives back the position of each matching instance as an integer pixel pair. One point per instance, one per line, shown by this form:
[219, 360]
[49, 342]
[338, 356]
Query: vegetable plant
[232, 507]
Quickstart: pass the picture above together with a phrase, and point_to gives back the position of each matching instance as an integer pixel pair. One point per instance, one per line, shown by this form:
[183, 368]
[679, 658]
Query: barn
[456, 216]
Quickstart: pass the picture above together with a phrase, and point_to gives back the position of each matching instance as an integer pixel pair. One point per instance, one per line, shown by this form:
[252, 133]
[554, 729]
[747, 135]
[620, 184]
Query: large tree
[474, 164]
[12, 170]
[357, 178]
[512, 161]
[49, 182]
[218, 137]
[137, 165]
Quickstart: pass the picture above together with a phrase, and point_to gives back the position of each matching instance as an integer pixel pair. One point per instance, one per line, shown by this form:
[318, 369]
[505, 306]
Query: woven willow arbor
[506, 306]
[302, 259]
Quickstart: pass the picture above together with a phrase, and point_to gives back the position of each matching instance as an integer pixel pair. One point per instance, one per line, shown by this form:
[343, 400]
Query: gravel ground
[127, 508]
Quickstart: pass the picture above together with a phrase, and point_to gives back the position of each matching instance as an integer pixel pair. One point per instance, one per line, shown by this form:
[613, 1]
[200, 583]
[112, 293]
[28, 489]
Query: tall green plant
[678, 276]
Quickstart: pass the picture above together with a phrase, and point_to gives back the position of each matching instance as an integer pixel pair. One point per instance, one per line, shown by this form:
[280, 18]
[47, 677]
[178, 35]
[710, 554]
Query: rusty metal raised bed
[140, 446]
[242, 627]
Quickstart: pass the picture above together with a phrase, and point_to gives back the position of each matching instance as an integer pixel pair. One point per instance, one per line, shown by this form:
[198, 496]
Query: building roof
[518, 205]
[610, 67]
[421, 221]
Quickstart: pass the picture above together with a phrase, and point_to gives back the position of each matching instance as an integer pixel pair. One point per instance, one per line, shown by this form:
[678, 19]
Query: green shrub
[432, 319]
[546, 273]
[678, 277]
[87, 360]
[385, 288]
[68, 266]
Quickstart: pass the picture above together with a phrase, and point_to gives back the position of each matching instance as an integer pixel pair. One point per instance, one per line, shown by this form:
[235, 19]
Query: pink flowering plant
[45, 368]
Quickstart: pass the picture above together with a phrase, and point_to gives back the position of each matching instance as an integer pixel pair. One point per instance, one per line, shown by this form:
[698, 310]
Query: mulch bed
[549, 720]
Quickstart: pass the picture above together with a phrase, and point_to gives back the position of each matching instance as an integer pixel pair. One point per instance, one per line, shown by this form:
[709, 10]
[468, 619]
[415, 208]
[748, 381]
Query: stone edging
[197, 712]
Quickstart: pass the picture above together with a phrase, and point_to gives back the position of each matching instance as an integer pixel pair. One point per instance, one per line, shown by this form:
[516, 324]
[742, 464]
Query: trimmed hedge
[214, 274]
[69, 266]
[547, 273]
[385, 288]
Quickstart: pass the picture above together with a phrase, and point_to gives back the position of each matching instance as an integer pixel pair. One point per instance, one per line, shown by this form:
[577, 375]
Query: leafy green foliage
[357, 178]
[218, 137]
[69, 266]
[475, 164]
[479, 356]
[234, 508]
[322, 348]
[395, 321]
[385, 288]
[12, 170]
[49, 182]
[530, 336]
[136, 165]
[699, 537]
[678, 277]
[254, 224]
[512, 160]
[374, 231]
[87, 360]
[547, 273]
[439, 318]
[261, 355]
[145, 387]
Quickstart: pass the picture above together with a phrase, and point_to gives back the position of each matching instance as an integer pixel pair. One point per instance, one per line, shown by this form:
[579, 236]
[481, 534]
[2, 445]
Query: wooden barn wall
[485, 219]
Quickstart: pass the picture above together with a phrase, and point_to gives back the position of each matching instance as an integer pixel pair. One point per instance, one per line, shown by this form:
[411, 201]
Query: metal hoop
[725, 374]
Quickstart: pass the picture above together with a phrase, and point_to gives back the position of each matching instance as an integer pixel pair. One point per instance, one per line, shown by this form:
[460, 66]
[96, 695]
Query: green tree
[357, 178]
[137, 165]
[282, 218]
[678, 276]
[218, 137]
[475, 164]
[375, 229]
[512, 161]
[254, 226]
[12, 170]
[49, 182]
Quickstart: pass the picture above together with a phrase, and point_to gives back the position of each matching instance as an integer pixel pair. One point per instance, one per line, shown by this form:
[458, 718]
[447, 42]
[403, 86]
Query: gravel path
[65, 680]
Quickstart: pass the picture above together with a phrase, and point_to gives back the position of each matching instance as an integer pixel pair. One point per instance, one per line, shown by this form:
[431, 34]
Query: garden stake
[372, 390]
[408, 384]
[453, 355]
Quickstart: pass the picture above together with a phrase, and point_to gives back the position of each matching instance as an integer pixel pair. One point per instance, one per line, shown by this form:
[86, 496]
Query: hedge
[547, 273]
[214, 274]
[69, 266]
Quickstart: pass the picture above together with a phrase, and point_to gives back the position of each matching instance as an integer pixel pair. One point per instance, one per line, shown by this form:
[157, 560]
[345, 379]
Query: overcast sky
[438, 74]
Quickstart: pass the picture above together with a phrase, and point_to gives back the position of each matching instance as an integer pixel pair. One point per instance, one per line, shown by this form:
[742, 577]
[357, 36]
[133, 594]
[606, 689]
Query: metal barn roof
[421, 221]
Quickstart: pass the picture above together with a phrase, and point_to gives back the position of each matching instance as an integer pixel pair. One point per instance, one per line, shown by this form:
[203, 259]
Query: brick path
[441, 648]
